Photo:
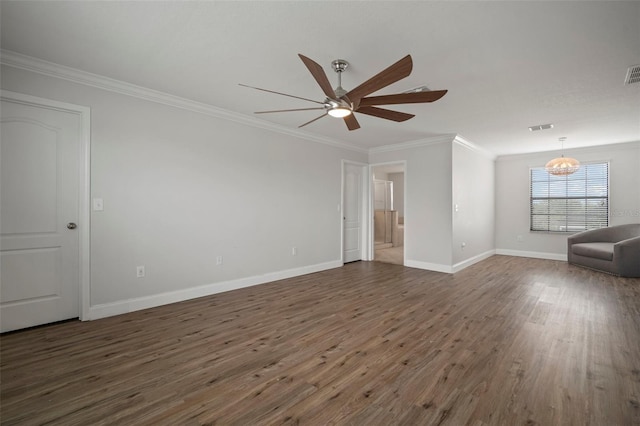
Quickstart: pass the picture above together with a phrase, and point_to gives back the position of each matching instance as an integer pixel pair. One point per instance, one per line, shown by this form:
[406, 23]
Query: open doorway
[388, 195]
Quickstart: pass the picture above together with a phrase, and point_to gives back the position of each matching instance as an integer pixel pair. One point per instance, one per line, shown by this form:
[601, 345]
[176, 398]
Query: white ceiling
[507, 65]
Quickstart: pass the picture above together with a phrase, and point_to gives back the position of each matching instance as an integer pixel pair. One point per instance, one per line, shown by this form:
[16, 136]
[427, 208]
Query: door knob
[71, 225]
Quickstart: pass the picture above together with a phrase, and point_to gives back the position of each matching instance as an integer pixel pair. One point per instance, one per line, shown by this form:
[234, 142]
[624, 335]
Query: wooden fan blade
[309, 122]
[395, 72]
[351, 122]
[403, 98]
[283, 94]
[318, 73]
[289, 110]
[385, 113]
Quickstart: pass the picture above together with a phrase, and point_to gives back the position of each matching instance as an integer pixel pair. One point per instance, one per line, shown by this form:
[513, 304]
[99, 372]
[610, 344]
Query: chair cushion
[598, 250]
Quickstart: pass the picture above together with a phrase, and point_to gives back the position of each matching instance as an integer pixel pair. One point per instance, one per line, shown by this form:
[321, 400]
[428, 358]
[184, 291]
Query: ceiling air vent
[633, 75]
[418, 89]
[541, 127]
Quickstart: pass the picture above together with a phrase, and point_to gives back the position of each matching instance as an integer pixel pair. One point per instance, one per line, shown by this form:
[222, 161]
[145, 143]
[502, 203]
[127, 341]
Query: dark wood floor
[508, 341]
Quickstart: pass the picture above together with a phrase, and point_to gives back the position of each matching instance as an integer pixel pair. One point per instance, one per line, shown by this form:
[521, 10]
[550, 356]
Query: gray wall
[427, 224]
[473, 193]
[512, 197]
[181, 188]
[437, 173]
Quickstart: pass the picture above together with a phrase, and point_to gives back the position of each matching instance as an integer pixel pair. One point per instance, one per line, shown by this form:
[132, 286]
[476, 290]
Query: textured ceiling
[507, 65]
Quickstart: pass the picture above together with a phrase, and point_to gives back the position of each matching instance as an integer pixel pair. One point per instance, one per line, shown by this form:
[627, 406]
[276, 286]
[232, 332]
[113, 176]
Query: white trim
[449, 137]
[447, 268]
[473, 260]
[533, 254]
[404, 214]
[371, 252]
[364, 219]
[370, 230]
[413, 144]
[428, 266]
[85, 214]
[341, 217]
[470, 145]
[139, 303]
[84, 187]
[51, 69]
[573, 151]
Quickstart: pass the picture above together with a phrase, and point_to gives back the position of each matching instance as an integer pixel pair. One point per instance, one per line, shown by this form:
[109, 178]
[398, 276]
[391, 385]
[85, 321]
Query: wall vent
[540, 127]
[633, 75]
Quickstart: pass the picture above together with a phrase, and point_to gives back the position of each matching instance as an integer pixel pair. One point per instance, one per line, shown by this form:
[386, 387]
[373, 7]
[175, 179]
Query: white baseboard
[475, 259]
[534, 254]
[448, 269]
[139, 303]
[428, 266]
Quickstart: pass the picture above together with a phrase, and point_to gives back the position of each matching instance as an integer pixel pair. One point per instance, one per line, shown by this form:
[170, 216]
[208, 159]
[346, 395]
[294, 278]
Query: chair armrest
[626, 254]
[602, 234]
[629, 243]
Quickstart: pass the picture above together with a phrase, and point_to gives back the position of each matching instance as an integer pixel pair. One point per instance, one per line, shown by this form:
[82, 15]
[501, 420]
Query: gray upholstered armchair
[615, 250]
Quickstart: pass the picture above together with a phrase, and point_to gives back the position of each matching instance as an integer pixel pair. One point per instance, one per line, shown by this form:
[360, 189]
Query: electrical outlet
[294, 251]
[219, 260]
[140, 271]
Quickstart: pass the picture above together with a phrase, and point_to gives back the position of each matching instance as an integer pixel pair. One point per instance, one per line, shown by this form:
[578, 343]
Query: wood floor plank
[505, 341]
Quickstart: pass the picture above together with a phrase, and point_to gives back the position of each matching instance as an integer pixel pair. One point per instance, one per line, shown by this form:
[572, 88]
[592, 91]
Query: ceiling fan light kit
[339, 111]
[343, 104]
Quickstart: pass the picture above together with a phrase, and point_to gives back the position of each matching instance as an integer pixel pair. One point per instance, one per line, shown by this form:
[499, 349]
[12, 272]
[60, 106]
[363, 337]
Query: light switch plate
[98, 205]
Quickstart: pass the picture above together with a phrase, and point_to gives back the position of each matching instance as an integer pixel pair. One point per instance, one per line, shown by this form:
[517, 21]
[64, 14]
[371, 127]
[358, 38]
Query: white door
[352, 212]
[40, 160]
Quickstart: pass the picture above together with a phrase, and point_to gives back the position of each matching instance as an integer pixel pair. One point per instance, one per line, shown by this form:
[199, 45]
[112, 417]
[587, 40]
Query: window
[572, 203]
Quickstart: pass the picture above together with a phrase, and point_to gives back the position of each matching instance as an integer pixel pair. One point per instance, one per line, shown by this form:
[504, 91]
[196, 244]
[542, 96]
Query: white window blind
[571, 203]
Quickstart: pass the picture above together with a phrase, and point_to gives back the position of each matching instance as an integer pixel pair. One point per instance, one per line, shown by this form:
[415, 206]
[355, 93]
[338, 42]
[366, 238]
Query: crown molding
[445, 138]
[40, 66]
[470, 145]
[434, 140]
[573, 151]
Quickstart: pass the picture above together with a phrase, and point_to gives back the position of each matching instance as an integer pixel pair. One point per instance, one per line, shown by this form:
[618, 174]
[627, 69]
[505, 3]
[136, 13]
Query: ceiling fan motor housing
[339, 65]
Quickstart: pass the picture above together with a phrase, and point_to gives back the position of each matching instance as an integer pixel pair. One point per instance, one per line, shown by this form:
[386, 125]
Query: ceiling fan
[342, 104]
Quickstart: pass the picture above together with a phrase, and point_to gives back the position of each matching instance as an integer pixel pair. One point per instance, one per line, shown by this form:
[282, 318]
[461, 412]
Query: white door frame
[84, 186]
[364, 243]
[370, 237]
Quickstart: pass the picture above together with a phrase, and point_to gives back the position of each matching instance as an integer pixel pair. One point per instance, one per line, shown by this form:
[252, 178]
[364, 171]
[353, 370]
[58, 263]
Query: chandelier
[562, 166]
